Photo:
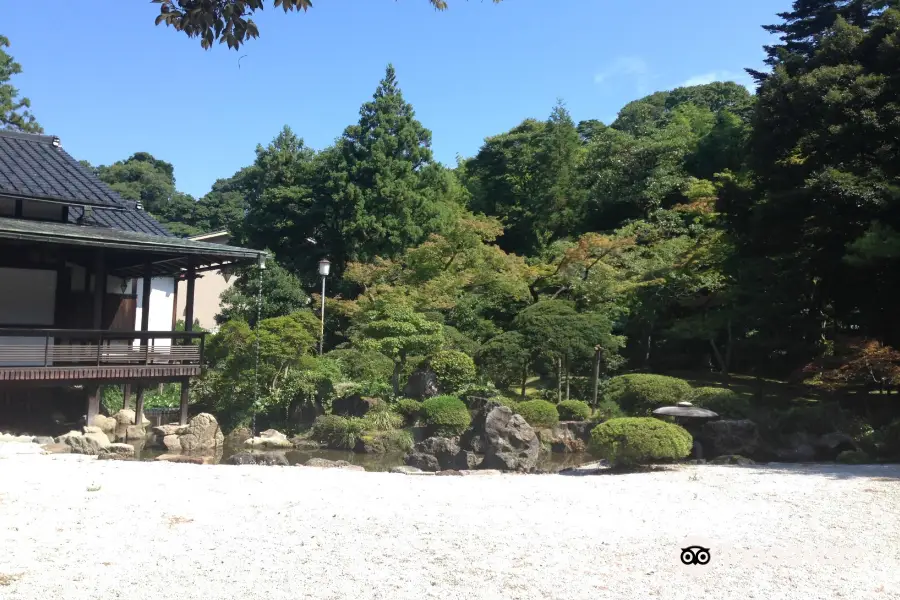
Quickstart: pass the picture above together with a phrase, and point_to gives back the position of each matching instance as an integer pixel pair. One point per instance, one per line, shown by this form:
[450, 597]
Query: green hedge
[446, 415]
[573, 410]
[538, 413]
[639, 393]
[454, 369]
[409, 408]
[726, 403]
[632, 441]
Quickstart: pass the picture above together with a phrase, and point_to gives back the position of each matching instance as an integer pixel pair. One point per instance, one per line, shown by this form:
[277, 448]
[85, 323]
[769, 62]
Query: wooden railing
[89, 347]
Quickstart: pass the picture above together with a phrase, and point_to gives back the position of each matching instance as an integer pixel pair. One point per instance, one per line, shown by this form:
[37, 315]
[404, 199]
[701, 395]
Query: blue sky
[109, 83]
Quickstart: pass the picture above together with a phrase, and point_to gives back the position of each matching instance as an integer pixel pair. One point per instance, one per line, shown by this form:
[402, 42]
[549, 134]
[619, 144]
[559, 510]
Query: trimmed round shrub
[573, 410]
[409, 408]
[633, 441]
[606, 410]
[453, 368]
[639, 393]
[853, 457]
[446, 415]
[726, 403]
[538, 413]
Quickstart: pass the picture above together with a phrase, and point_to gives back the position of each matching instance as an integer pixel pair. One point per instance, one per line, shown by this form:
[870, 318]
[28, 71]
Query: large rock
[797, 447]
[126, 428]
[272, 459]
[56, 449]
[241, 458]
[510, 443]
[422, 384]
[422, 461]
[446, 454]
[236, 438]
[203, 435]
[830, 445]
[105, 424]
[269, 439]
[323, 463]
[406, 470]
[91, 442]
[726, 437]
[258, 458]
[172, 443]
[191, 460]
[43, 440]
[562, 439]
[117, 452]
[353, 406]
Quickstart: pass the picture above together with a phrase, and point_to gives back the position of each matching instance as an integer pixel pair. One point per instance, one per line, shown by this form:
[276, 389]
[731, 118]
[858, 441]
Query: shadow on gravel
[832, 471]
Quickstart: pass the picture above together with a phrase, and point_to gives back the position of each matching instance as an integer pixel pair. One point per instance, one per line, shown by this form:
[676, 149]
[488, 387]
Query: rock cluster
[505, 440]
[201, 435]
[269, 439]
[122, 426]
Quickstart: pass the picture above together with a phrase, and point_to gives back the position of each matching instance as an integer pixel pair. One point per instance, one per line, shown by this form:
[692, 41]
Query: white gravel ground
[76, 528]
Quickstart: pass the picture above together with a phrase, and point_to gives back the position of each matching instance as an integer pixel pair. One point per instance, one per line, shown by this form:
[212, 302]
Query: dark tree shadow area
[830, 470]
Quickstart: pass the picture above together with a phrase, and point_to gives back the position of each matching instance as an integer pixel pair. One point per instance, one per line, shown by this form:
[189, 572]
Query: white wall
[27, 297]
[162, 300]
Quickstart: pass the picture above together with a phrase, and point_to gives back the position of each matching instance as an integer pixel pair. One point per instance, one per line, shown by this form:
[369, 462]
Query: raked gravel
[75, 528]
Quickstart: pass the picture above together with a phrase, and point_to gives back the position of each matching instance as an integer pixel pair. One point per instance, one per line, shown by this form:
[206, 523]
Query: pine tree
[380, 188]
[14, 113]
[808, 20]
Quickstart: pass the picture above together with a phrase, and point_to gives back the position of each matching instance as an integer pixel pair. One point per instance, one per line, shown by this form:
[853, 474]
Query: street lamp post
[324, 268]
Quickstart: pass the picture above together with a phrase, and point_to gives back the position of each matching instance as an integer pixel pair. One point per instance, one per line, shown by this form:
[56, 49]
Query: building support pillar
[188, 326]
[93, 403]
[99, 272]
[126, 395]
[147, 287]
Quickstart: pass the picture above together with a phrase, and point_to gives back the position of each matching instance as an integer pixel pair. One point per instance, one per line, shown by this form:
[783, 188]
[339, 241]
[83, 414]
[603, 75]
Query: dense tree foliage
[227, 21]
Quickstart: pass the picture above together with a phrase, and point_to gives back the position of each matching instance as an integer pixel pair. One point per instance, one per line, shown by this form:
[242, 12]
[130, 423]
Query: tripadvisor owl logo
[695, 555]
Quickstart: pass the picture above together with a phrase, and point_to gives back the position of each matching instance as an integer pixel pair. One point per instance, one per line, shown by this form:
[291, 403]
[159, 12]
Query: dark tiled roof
[173, 254]
[131, 219]
[35, 166]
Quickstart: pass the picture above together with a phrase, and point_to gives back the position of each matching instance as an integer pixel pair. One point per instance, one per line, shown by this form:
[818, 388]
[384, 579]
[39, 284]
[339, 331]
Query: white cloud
[628, 67]
[741, 78]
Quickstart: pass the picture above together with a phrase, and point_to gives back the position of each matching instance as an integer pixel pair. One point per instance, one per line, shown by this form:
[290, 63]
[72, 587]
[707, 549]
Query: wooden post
[189, 299]
[188, 327]
[93, 400]
[93, 403]
[99, 287]
[147, 284]
[139, 403]
[597, 354]
[126, 395]
[185, 397]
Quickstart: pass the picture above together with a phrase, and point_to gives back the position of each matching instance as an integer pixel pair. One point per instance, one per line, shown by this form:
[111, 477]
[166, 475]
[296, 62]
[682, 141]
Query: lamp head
[324, 267]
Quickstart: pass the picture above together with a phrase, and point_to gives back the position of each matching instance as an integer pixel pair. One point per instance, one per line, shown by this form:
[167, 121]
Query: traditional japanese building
[80, 271]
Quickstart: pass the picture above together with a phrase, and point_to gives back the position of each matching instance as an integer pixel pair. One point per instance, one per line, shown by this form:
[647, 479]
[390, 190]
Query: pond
[385, 462]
